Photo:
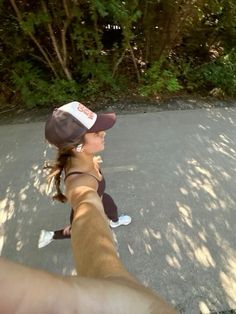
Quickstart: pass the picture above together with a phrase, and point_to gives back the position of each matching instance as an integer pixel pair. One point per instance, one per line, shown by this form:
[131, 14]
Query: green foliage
[99, 72]
[36, 91]
[100, 6]
[97, 78]
[30, 20]
[222, 74]
[189, 74]
[219, 75]
[61, 91]
[74, 49]
[159, 79]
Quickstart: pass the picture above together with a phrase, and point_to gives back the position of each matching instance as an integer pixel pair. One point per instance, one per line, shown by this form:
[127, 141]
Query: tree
[65, 49]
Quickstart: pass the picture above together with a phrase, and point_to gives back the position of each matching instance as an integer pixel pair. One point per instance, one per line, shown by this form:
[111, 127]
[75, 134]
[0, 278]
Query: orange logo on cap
[86, 111]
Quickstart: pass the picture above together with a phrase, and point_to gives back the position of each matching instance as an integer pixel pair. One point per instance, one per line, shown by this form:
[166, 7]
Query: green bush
[221, 74]
[189, 74]
[159, 79]
[35, 90]
[96, 77]
[215, 76]
[29, 84]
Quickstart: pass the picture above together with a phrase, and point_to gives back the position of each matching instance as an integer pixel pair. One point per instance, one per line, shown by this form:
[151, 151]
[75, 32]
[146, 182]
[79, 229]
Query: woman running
[79, 134]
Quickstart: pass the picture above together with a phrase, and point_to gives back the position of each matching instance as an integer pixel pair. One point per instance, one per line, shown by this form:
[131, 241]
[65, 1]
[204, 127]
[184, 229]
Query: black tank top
[101, 184]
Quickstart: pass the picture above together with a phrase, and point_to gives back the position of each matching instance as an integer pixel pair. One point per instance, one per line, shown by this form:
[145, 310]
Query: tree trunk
[134, 61]
[63, 62]
[34, 39]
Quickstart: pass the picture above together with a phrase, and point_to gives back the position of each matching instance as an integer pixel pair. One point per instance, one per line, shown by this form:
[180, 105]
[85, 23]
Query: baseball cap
[68, 123]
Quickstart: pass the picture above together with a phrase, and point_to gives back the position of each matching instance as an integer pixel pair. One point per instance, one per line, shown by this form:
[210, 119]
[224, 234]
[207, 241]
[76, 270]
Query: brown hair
[57, 166]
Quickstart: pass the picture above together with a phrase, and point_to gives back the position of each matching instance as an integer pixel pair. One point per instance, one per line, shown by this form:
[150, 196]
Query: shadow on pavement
[178, 186]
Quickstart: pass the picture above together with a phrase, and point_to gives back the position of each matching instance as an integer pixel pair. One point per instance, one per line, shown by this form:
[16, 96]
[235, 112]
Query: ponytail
[56, 169]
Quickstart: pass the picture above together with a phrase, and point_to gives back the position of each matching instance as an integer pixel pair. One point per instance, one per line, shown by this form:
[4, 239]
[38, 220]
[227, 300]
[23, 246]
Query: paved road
[174, 172]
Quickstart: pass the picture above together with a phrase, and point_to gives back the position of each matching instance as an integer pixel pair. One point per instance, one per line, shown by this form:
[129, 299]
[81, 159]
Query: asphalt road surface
[174, 172]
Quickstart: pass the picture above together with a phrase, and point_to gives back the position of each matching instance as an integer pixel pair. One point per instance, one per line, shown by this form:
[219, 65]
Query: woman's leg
[111, 211]
[61, 234]
[47, 237]
[110, 207]
[64, 233]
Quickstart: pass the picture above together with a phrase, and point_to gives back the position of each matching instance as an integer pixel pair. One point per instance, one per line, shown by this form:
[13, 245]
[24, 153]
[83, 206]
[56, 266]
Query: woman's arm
[96, 257]
[103, 285]
[25, 290]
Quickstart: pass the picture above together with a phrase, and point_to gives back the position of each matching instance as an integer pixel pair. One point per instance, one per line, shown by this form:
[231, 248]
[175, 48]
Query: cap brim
[104, 122]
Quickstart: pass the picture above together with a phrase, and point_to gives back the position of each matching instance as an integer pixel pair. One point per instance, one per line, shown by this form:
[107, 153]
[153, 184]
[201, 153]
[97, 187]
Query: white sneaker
[123, 220]
[45, 238]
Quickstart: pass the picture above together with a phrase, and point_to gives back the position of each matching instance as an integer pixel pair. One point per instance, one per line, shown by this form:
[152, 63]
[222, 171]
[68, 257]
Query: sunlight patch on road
[6, 213]
[229, 285]
[203, 256]
[203, 308]
[173, 262]
[119, 169]
[130, 249]
[185, 213]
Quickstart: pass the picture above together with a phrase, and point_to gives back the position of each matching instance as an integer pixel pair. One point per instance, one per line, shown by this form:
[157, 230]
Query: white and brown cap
[68, 123]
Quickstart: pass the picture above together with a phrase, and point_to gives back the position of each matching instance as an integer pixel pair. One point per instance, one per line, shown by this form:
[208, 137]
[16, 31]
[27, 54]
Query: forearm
[27, 290]
[95, 257]
[109, 290]
[92, 240]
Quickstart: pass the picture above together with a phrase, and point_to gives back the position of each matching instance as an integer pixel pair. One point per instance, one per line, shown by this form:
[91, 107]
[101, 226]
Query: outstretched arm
[103, 285]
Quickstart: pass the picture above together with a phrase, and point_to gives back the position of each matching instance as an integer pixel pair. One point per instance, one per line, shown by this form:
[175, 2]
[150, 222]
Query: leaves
[159, 80]
[222, 73]
[36, 91]
[31, 20]
[98, 44]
